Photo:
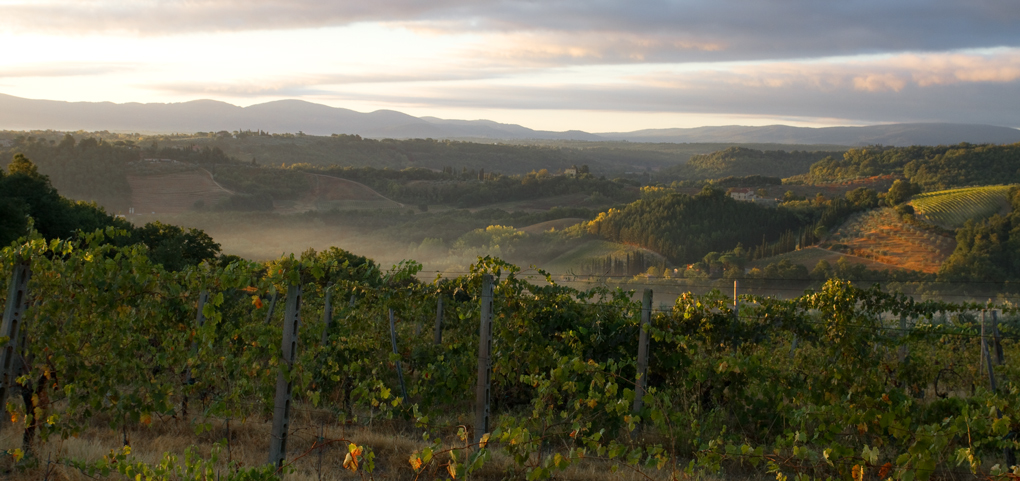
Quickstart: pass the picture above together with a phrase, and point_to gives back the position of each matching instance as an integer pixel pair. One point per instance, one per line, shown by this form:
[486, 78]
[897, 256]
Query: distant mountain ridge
[300, 116]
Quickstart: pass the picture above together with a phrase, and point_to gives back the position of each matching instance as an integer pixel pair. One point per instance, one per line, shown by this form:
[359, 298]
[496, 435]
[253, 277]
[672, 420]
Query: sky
[593, 65]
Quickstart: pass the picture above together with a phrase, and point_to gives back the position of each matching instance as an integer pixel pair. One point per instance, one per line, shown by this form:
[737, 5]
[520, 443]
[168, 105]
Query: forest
[742, 162]
[987, 250]
[686, 228]
[932, 168]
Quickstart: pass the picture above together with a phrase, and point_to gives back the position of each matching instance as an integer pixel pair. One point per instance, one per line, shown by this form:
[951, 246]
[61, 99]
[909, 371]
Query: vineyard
[489, 375]
[952, 208]
[880, 235]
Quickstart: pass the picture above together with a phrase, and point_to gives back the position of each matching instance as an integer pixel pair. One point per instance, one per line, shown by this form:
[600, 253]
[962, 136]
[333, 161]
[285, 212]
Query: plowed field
[880, 235]
[174, 193]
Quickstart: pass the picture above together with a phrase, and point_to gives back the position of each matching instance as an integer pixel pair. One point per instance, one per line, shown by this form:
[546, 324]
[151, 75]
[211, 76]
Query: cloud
[997, 104]
[879, 74]
[63, 69]
[304, 85]
[979, 87]
[915, 87]
[582, 30]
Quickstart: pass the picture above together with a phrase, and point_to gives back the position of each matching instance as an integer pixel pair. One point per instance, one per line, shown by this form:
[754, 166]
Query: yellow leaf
[350, 462]
[485, 440]
[415, 462]
[452, 470]
[858, 473]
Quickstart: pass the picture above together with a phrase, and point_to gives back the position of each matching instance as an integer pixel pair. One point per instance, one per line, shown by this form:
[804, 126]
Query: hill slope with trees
[931, 168]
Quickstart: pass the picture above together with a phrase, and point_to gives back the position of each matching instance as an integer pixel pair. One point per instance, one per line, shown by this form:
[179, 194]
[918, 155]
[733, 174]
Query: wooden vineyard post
[281, 406]
[903, 333]
[483, 388]
[980, 353]
[393, 341]
[736, 315]
[736, 302]
[327, 315]
[14, 313]
[986, 355]
[642, 352]
[438, 337]
[203, 297]
[272, 307]
[1007, 453]
[984, 346]
[1000, 357]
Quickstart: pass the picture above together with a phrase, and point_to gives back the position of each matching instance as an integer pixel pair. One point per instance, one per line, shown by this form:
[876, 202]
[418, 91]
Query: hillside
[951, 209]
[328, 193]
[930, 168]
[174, 193]
[294, 116]
[742, 162]
[881, 236]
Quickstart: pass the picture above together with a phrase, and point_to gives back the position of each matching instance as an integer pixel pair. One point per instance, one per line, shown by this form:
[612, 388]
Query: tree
[900, 192]
[21, 165]
[174, 246]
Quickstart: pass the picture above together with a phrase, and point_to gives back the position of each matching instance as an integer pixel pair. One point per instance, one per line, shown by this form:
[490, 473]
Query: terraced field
[881, 236]
[952, 208]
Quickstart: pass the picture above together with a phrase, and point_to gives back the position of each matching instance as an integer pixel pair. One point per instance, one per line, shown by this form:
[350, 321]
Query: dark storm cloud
[643, 31]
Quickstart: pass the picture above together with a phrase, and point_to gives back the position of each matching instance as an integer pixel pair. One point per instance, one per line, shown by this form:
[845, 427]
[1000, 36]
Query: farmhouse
[743, 195]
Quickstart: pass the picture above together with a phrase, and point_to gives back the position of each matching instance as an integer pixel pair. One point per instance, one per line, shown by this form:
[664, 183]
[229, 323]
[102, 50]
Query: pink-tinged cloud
[545, 48]
[885, 74]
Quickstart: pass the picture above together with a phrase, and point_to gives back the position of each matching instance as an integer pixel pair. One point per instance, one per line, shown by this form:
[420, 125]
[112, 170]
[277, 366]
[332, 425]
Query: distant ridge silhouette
[293, 116]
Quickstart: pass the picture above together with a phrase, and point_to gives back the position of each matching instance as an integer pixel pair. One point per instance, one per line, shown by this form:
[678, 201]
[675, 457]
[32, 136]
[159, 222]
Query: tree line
[29, 202]
[931, 168]
[743, 161]
[686, 228]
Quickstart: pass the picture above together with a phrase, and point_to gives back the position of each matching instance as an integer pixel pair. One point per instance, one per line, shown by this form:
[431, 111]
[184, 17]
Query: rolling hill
[293, 116]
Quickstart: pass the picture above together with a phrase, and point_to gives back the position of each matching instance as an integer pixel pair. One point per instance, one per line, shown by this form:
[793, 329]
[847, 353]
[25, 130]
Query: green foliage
[930, 168]
[684, 228]
[988, 250]
[466, 189]
[900, 192]
[437, 155]
[175, 247]
[25, 194]
[811, 385]
[742, 161]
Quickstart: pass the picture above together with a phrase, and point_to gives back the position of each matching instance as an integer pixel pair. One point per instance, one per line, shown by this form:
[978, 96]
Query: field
[558, 224]
[573, 259]
[174, 193]
[327, 193]
[952, 208]
[546, 203]
[810, 256]
[881, 236]
[177, 192]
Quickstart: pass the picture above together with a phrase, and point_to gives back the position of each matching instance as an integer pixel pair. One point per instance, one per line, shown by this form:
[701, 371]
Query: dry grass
[391, 441]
